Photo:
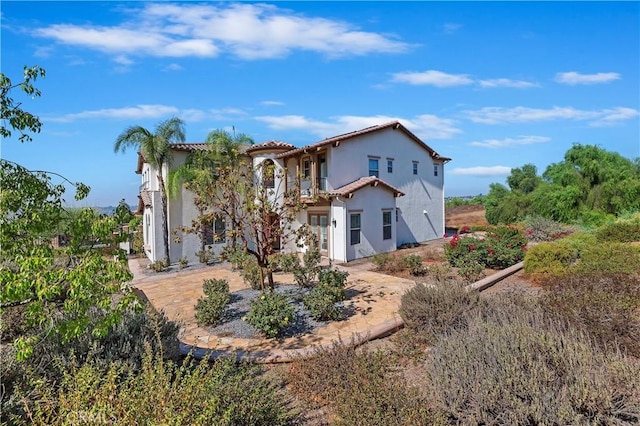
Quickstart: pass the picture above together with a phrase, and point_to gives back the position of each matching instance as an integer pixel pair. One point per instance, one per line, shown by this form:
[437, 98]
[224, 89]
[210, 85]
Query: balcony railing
[309, 190]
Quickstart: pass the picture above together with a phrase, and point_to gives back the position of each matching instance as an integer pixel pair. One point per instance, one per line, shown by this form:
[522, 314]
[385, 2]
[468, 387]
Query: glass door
[320, 228]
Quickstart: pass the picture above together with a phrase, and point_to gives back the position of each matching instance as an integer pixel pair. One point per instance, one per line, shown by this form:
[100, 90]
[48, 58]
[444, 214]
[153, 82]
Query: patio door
[320, 227]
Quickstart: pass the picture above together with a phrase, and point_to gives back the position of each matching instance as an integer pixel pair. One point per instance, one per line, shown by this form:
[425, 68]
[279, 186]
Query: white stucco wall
[370, 202]
[423, 192]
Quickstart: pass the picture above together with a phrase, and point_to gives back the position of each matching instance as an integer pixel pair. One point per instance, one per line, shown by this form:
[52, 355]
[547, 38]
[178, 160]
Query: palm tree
[198, 175]
[155, 148]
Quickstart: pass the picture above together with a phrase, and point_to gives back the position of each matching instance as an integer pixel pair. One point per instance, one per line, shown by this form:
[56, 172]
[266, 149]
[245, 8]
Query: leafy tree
[199, 174]
[11, 113]
[589, 180]
[123, 212]
[60, 286]
[155, 148]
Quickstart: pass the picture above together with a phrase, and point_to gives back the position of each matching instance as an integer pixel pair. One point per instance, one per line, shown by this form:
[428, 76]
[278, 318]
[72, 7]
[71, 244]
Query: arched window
[268, 173]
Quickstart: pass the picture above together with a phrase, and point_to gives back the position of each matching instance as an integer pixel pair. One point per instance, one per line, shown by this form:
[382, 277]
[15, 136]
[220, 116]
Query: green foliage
[159, 266]
[621, 231]
[606, 257]
[270, 313]
[183, 262]
[433, 310]
[471, 272]
[306, 272]
[518, 366]
[125, 343]
[550, 258]
[360, 386]
[59, 286]
[237, 256]
[221, 393]
[251, 273]
[587, 186]
[605, 305]
[503, 246]
[463, 201]
[413, 263]
[10, 109]
[123, 212]
[209, 309]
[385, 262]
[321, 301]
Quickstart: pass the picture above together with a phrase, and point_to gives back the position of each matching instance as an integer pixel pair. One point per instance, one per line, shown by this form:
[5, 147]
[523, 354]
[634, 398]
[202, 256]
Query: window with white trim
[386, 225]
[354, 228]
[374, 167]
[389, 165]
[435, 170]
[219, 231]
[415, 167]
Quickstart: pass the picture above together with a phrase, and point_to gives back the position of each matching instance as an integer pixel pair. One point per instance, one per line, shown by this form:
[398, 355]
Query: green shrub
[251, 274]
[466, 249]
[441, 273]
[471, 272]
[413, 263]
[270, 313]
[360, 387]
[209, 309]
[620, 231]
[205, 256]
[605, 305]
[183, 262]
[381, 261]
[550, 258]
[305, 272]
[436, 310]
[221, 393]
[159, 266]
[321, 301]
[609, 258]
[506, 247]
[237, 256]
[523, 368]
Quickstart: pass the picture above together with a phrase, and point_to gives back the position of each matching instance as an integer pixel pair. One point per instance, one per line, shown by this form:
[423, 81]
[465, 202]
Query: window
[389, 166]
[214, 233]
[373, 167]
[435, 170]
[415, 168]
[219, 230]
[354, 228]
[268, 173]
[386, 225]
[306, 168]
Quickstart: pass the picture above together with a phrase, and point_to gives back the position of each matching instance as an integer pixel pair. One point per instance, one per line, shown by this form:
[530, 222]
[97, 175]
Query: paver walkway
[374, 297]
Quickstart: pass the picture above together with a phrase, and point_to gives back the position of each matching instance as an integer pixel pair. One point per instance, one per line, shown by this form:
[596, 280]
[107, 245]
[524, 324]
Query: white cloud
[572, 78]
[247, 31]
[503, 143]
[137, 112]
[506, 82]
[482, 171]
[451, 27]
[433, 78]
[173, 67]
[271, 103]
[500, 115]
[425, 126]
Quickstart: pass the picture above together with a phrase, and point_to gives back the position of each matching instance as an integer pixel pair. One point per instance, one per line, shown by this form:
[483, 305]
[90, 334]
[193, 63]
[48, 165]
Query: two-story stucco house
[379, 188]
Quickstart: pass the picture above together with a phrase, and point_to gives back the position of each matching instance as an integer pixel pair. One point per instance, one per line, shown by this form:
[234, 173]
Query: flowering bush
[270, 313]
[503, 246]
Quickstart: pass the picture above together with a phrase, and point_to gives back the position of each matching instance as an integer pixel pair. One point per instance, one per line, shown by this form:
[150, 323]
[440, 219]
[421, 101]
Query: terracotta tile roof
[348, 189]
[144, 200]
[272, 144]
[336, 140]
[199, 146]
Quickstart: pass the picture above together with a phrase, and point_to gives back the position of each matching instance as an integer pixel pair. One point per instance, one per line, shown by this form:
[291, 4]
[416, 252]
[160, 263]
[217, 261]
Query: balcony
[309, 190]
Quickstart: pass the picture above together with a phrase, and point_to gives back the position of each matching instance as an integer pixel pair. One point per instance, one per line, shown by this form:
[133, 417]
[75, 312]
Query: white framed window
[415, 167]
[219, 231]
[389, 165]
[386, 225]
[374, 167]
[354, 228]
[306, 168]
[435, 170]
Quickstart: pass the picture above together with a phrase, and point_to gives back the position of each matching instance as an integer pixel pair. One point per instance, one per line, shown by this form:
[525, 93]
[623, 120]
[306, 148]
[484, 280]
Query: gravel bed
[232, 324]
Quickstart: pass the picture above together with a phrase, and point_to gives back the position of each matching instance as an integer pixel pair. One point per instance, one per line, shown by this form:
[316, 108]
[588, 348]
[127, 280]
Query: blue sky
[492, 85]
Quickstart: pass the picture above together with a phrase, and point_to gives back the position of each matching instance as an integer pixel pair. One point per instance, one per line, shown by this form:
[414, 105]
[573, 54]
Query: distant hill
[109, 210]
